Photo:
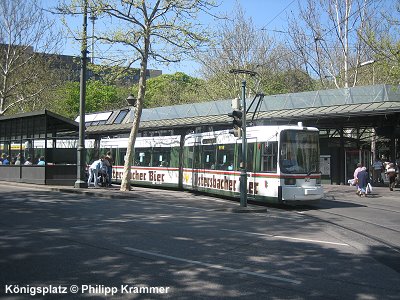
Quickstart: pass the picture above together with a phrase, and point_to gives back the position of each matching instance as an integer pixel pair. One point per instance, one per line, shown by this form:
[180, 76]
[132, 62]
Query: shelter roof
[36, 123]
[324, 107]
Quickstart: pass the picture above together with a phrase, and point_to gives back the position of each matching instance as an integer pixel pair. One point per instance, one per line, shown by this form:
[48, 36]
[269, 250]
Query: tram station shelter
[39, 134]
[356, 124]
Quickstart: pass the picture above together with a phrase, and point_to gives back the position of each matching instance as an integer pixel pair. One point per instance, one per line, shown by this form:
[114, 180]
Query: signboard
[325, 165]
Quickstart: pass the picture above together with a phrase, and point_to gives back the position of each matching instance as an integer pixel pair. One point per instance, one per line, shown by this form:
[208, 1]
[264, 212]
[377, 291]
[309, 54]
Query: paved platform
[343, 192]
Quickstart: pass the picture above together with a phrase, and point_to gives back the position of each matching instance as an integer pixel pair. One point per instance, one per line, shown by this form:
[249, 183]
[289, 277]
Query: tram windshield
[299, 152]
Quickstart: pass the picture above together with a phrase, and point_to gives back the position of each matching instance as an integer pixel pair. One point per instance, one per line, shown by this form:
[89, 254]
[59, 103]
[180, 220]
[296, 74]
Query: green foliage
[289, 81]
[172, 89]
[99, 97]
[384, 66]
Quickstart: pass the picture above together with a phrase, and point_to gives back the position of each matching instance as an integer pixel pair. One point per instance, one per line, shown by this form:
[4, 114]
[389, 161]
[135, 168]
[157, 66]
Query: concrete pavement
[192, 244]
[331, 192]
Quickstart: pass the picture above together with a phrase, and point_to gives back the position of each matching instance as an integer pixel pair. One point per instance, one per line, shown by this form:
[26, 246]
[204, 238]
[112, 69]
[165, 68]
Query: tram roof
[322, 108]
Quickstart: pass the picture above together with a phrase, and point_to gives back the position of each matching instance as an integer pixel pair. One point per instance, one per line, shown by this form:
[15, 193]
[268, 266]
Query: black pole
[81, 153]
[243, 171]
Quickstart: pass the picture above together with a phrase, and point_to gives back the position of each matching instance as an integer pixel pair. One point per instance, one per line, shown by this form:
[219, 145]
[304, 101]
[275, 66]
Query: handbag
[369, 188]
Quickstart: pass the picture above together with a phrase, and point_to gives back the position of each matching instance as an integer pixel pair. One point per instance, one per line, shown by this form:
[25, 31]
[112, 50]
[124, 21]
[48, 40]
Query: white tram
[282, 162]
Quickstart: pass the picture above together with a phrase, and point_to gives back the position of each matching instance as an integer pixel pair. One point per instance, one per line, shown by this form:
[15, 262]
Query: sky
[266, 14]
[269, 14]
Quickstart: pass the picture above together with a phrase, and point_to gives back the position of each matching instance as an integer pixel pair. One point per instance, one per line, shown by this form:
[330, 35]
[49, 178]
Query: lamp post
[92, 18]
[81, 153]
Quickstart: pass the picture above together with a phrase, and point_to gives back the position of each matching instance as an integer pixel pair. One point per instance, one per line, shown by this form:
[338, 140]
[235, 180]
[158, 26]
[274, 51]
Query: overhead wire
[273, 19]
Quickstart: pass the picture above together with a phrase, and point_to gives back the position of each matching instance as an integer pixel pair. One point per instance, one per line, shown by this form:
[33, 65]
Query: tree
[26, 70]
[173, 89]
[158, 30]
[327, 36]
[384, 40]
[239, 46]
[99, 97]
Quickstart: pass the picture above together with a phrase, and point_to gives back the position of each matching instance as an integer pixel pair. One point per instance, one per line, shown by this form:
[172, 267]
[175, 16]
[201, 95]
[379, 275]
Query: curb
[247, 209]
[111, 194]
[117, 194]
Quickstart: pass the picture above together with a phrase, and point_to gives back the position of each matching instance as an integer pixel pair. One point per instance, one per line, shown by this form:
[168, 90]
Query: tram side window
[142, 157]
[188, 157]
[161, 157]
[208, 157]
[118, 156]
[174, 160]
[225, 157]
[269, 157]
[250, 156]
[197, 157]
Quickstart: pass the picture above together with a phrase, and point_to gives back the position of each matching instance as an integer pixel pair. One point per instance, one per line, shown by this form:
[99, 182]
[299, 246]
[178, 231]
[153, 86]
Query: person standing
[377, 168]
[391, 174]
[94, 171]
[109, 163]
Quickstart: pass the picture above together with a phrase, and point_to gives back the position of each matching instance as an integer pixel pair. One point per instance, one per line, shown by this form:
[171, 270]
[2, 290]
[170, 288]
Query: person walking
[391, 174]
[94, 171]
[356, 171]
[362, 178]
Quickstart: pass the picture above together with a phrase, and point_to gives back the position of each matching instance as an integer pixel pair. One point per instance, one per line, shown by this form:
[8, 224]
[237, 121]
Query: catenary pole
[243, 166]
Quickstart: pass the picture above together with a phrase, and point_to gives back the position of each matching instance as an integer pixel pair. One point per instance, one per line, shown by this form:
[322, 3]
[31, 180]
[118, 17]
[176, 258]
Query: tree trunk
[126, 176]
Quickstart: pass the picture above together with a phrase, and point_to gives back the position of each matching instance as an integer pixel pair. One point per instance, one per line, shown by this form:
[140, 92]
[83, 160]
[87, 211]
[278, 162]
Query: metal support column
[243, 166]
[81, 153]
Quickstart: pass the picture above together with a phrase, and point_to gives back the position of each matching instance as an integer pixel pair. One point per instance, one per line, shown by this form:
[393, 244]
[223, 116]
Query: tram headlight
[290, 181]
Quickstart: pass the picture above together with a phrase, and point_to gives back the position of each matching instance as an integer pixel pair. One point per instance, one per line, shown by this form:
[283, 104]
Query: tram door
[196, 166]
[251, 163]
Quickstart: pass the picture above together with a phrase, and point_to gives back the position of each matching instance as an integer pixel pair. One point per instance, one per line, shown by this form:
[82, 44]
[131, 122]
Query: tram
[282, 163]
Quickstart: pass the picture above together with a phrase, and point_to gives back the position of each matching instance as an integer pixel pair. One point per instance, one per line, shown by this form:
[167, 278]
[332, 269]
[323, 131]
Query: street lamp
[370, 62]
[81, 153]
[131, 100]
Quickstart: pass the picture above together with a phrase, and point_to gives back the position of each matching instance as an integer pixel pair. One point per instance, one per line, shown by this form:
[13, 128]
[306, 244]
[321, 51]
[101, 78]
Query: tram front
[300, 177]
